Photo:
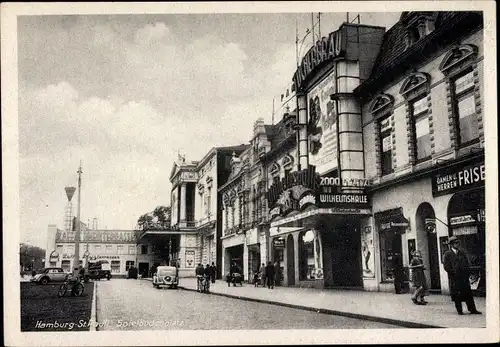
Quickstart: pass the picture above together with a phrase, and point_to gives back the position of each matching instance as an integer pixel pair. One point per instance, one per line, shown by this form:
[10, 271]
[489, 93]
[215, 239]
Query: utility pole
[76, 261]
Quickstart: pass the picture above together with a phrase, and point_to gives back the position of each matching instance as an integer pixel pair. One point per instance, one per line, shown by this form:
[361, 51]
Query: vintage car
[166, 276]
[51, 274]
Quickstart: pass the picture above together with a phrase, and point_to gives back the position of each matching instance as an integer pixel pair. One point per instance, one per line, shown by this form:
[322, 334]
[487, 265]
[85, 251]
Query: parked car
[51, 274]
[166, 276]
[99, 269]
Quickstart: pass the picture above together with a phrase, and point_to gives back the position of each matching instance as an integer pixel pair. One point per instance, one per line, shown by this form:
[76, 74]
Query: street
[135, 305]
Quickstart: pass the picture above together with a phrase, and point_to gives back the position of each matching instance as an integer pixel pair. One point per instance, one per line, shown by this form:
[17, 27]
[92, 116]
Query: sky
[124, 94]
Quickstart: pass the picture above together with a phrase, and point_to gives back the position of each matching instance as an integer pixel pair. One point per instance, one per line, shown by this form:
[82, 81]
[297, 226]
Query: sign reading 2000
[346, 182]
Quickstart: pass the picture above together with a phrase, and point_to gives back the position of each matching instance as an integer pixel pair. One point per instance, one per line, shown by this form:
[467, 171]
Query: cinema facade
[390, 155]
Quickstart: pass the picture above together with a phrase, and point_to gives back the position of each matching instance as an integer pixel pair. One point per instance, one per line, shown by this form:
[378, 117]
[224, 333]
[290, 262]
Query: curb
[93, 311]
[404, 324]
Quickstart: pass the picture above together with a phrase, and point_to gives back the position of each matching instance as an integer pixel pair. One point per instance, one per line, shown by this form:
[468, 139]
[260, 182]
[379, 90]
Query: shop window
[144, 249]
[115, 266]
[131, 249]
[386, 145]
[128, 264]
[306, 256]
[419, 109]
[53, 264]
[464, 103]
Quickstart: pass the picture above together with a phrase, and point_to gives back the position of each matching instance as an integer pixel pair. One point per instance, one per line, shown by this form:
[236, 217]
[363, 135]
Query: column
[182, 212]
[302, 139]
[296, 254]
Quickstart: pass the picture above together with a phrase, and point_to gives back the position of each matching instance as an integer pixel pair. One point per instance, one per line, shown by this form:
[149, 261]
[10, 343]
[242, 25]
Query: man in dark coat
[456, 264]
[398, 273]
[213, 273]
[270, 272]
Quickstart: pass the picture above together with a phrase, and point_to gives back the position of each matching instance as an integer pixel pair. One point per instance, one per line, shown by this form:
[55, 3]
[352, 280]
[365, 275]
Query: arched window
[416, 91]
[381, 110]
[274, 170]
[459, 66]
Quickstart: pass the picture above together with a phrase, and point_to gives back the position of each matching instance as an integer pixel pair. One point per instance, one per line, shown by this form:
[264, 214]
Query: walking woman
[418, 279]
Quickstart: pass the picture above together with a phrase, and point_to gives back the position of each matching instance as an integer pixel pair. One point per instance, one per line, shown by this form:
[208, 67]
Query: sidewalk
[378, 306]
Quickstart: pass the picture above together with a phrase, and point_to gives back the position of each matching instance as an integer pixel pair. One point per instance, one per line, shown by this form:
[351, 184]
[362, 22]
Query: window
[131, 249]
[98, 249]
[115, 266]
[70, 249]
[53, 264]
[65, 264]
[109, 249]
[119, 249]
[465, 108]
[128, 264]
[144, 249]
[420, 115]
[386, 145]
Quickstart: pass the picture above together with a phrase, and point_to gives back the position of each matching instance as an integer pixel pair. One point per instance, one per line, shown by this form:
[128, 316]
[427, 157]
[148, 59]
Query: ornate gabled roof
[394, 55]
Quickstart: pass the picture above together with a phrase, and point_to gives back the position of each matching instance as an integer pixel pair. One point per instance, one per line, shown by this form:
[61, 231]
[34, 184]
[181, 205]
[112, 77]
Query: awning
[391, 219]
[307, 217]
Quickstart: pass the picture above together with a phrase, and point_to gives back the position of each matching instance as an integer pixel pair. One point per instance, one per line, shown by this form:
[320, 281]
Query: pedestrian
[263, 274]
[214, 272]
[199, 271]
[233, 270]
[418, 278]
[456, 264]
[270, 272]
[207, 273]
[398, 272]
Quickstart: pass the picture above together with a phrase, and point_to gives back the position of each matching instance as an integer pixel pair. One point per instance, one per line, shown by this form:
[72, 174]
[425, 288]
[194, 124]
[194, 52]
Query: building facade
[424, 145]
[318, 203]
[116, 246]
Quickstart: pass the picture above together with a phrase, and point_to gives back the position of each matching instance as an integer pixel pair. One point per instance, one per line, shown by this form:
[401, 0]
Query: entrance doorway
[144, 269]
[342, 251]
[429, 243]
[290, 260]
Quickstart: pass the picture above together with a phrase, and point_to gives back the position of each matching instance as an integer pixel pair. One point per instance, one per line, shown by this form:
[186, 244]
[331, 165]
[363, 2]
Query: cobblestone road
[135, 305]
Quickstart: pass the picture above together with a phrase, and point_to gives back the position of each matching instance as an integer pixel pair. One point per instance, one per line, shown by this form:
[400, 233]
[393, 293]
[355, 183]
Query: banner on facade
[458, 177]
[92, 257]
[190, 258]
[114, 236]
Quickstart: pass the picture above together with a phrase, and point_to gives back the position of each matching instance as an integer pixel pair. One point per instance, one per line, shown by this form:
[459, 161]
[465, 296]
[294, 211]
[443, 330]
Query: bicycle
[77, 287]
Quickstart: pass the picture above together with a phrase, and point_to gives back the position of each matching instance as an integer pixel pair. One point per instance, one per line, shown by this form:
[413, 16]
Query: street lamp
[78, 226]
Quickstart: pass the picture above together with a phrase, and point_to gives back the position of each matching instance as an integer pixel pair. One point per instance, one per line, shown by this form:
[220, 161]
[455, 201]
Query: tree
[31, 256]
[144, 219]
[162, 213]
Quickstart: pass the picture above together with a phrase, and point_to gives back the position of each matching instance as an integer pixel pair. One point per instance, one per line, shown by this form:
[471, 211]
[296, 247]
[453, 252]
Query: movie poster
[368, 255]
[322, 119]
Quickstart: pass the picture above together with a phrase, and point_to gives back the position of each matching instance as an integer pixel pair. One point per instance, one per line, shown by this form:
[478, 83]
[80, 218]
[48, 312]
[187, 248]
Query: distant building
[116, 246]
[194, 235]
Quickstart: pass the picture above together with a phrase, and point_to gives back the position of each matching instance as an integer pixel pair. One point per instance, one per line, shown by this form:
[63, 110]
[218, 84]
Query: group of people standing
[266, 274]
[209, 271]
[456, 264]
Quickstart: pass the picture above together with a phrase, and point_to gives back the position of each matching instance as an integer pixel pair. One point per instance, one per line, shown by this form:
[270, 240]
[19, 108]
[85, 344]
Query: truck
[99, 269]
